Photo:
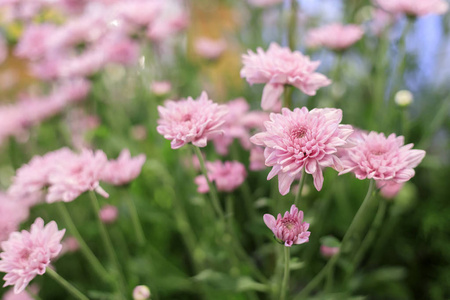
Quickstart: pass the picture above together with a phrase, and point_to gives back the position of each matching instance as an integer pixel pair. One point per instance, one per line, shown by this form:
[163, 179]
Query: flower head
[290, 228]
[279, 66]
[27, 254]
[141, 292]
[380, 158]
[108, 214]
[334, 36]
[414, 7]
[209, 48]
[190, 121]
[227, 176]
[124, 169]
[302, 139]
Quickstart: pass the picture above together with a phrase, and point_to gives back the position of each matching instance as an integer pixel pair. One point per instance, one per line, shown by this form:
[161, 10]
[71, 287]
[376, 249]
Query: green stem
[92, 259]
[70, 288]
[292, 26]
[436, 123]
[357, 223]
[287, 96]
[300, 187]
[212, 190]
[285, 283]
[107, 240]
[135, 220]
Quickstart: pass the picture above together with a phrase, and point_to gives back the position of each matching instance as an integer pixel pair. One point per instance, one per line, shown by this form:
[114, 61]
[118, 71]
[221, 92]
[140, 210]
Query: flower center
[378, 150]
[289, 224]
[186, 118]
[299, 132]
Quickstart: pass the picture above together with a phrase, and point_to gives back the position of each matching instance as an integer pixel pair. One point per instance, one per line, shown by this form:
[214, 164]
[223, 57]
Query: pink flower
[414, 7]
[209, 48]
[12, 213]
[141, 292]
[257, 159]
[27, 254]
[264, 3]
[124, 169]
[381, 158]
[389, 189]
[24, 295]
[108, 214]
[327, 251]
[69, 244]
[279, 66]
[334, 36]
[302, 139]
[141, 13]
[289, 229]
[33, 43]
[160, 87]
[80, 173]
[190, 121]
[228, 176]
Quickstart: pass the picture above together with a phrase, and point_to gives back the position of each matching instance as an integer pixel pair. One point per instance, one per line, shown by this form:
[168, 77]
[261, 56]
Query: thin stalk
[140, 236]
[92, 259]
[285, 283]
[436, 123]
[64, 283]
[107, 240]
[212, 189]
[357, 222]
[287, 96]
[300, 187]
[292, 26]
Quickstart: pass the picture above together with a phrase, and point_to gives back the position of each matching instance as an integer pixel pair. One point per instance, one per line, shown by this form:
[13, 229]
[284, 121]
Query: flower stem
[135, 220]
[292, 26]
[69, 287]
[285, 283]
[93, 261]
[300, 186]
[357, 222]
[212, 189]
[106, 240]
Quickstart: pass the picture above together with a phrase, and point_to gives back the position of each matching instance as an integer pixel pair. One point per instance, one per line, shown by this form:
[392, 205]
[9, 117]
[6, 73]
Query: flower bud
[141, 292]
[404, 98]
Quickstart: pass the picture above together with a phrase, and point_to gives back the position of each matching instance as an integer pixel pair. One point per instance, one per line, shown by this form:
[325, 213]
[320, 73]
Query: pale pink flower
[414, 7]
[227, 176]
[302, 139]
[79, 174]
[108, 214]
[327, 251]
[389, 189]
[24, 295]
[264, 3]
[27, 254]
[33, 43]
[191, 121]
[12, 213]
[124, 169]
[380, 158]
[257, 159]
[381, 20]
[120, 50]
[142, 13]
[160, 87]
[141, 292]
[279, 66]
[209, 48]
[289, 229]
[69, 245]
[334, 36]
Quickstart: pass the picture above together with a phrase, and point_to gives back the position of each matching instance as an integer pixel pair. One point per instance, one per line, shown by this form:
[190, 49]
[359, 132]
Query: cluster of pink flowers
[290, 228]
[334, 36]
[191, 121]
[31, 110]
[27, 254]
[279, 66]
[227, 176]
[413, 8]
[67, 174]
[299, 139]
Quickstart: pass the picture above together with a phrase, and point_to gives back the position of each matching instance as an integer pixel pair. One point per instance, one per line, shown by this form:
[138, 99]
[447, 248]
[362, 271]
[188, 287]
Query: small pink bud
[108, 214]
[328, 251]
[141, 292]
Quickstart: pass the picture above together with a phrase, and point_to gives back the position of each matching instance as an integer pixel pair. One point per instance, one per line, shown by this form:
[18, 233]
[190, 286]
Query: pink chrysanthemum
[380, 158]
[290, 228]
[228, 176]
[414, 7]
[190, 121]
[389, 189]
[279, 66]
[124, 169]
[334, 36]
[27, 254]
[302, 139]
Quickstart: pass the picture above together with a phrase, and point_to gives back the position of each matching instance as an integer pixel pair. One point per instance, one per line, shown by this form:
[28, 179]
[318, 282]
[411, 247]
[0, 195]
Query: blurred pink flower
[24, 295]
[209, 48]
[263, 3]
[328, 251]
[279, 66]
[414, 7]
[108, 214]
[120, 50]
[289, 229]
[190, 120]
[381, 158]
[160, 87]
[69, 244]
[381, 20]
[389, 189]
[78, 174]
[123, 170]
[142, 13]
[12, 213]
[302, 139]
[139, 132]
[228, 176]
[334, 36]
[257, 159]
[33, 43]
[141, 292]
[27, 254]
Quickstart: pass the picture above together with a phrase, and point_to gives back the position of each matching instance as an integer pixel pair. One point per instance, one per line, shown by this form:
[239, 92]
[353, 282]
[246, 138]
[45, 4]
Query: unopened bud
[141, 292]
[404, 98]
